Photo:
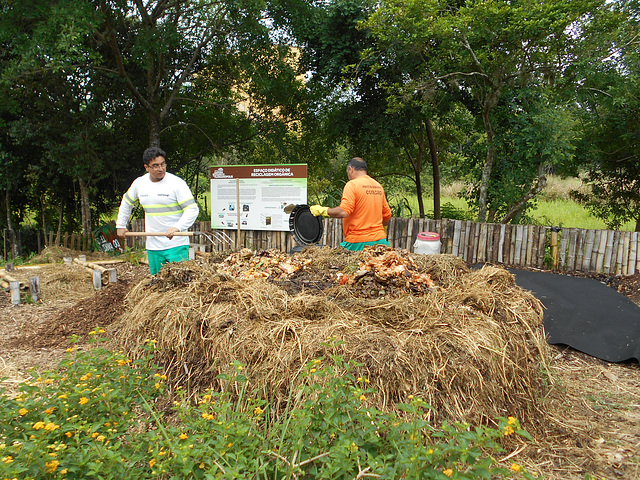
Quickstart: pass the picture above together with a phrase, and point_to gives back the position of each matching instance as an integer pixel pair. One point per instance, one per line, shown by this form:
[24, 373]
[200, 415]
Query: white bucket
[427, 242]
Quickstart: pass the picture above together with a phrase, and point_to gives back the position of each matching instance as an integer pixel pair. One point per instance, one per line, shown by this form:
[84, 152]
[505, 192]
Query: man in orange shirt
[363, 208]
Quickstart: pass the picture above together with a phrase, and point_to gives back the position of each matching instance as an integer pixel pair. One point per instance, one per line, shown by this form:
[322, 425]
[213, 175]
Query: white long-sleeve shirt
[167, 203]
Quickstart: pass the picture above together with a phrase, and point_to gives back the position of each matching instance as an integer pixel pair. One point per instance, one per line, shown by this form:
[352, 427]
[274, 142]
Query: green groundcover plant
[103, 415]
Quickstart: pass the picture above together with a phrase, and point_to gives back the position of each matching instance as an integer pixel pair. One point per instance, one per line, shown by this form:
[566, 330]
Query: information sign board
[255, 196]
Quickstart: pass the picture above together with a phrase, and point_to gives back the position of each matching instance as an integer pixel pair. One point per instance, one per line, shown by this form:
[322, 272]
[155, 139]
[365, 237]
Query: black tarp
[585, 314]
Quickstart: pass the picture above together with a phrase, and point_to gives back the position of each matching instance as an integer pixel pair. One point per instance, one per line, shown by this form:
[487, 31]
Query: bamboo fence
[597, 251]
[74, 241]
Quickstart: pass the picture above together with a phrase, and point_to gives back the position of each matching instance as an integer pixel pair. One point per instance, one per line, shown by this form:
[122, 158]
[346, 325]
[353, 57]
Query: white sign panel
[255, 196]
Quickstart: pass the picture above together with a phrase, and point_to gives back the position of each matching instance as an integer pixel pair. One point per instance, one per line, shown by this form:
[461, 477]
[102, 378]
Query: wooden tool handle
[157, 234]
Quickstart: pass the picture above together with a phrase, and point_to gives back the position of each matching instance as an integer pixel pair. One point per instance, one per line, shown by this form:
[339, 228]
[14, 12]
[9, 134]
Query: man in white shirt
[169, 207]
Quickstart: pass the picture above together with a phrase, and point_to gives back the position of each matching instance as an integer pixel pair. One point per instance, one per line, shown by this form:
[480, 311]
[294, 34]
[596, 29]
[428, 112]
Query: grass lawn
[554, 208]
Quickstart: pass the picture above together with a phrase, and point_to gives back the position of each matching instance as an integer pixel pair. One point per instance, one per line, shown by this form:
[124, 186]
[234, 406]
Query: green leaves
[101, 415]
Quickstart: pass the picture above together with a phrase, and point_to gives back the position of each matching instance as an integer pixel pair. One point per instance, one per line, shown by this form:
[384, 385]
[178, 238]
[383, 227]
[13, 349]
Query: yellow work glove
[317, 210]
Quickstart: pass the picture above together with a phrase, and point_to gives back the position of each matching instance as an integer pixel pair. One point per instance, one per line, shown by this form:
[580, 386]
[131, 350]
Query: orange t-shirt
[364, 201]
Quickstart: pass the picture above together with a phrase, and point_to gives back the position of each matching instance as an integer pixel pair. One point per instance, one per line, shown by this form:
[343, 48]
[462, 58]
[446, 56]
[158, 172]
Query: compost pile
[469, 343]
[272, 264]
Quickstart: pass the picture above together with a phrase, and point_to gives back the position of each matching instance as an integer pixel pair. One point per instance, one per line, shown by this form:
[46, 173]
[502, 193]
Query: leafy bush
[101, 415]
[450, 211]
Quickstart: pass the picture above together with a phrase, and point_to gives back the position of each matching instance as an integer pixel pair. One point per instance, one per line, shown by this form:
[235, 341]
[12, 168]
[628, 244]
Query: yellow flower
[52, 466]
[152, 462]
[157, 385]
[201, 466]
[64, 471]
[515, 467]
[100, 330]
[508, 430]
[183, 436]
[83, 400]
[38, 425]
[49, 411]
[512, 420]
[448, 472]
[23, 412]
[92, 332]
[313, 370]
[363, 398]
[354, 447]
[8, 459]
[430, 451]
[48, 381]
[258, 411]
[100, 438]
[68, 434]
[51, 426]
[63, 396]
[410, 397]
[70, 349]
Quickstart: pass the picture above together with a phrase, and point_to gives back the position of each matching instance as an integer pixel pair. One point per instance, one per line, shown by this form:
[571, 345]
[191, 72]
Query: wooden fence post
[554, 246]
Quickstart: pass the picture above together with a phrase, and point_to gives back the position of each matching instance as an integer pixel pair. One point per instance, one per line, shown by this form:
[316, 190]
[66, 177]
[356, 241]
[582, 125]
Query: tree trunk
[43, 216]
[10, 229]
[417, 167]
[154, 129]
[85, 206]
[536, 188]
[436, 170]
[60, 222]
[487, 168]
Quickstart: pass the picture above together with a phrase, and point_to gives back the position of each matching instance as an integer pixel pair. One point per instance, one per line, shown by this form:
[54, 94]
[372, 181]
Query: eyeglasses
[158, 165]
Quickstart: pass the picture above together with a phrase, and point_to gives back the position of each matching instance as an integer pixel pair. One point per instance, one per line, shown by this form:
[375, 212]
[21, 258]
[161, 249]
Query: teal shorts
[356, 247]
[157, 258]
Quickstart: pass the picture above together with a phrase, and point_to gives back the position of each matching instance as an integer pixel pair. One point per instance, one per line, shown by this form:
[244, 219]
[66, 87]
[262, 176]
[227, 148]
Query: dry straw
[474, 349]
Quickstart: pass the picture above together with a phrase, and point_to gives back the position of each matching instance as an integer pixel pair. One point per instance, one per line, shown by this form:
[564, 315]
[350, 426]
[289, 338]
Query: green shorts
[157, 258]
[356, 247]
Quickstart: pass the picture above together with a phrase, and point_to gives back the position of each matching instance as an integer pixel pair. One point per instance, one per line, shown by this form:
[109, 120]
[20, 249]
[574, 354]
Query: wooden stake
[34, 288]
[113, 275]
[15, 292]
[97, 279]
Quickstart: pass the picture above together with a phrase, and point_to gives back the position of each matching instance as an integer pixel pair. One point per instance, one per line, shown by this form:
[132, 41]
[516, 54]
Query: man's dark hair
[357, 164]
[151, 153]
